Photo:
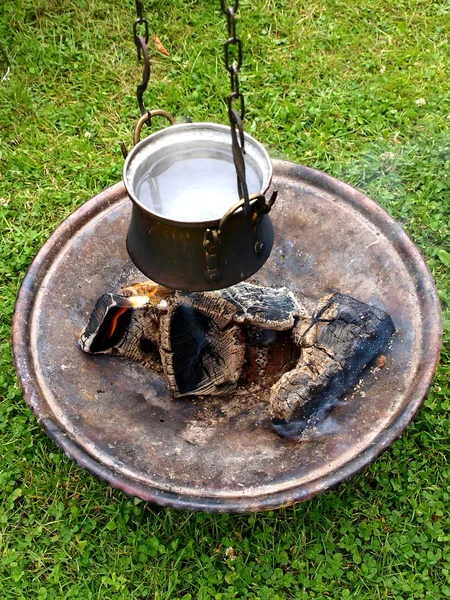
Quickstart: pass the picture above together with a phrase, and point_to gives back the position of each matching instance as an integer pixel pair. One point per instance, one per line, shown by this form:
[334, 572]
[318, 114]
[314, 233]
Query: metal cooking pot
[188, 230]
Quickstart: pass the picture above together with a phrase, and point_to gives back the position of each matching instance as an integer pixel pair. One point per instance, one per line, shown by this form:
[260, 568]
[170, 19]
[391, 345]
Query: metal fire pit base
[117, 419]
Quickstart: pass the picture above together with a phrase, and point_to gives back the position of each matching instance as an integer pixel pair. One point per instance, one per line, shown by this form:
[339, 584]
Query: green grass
[357, 89]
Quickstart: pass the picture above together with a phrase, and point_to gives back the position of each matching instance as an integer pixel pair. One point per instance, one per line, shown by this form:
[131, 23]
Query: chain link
[141, 43]
[233, 62]
[233, 56]
[138, 23]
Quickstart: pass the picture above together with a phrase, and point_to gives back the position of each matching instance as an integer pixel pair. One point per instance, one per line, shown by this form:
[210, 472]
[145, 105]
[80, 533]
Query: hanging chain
[141, 42]
[141, 37]
[233, 62]
[233, 56]
[260, 206]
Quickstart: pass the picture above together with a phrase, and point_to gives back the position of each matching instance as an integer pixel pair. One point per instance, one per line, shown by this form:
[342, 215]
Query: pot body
[174, 256]
[172, 252]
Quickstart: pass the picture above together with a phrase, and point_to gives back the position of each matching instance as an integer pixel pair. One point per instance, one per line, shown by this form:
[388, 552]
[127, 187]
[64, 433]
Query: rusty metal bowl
[117, 419]
[182, 183]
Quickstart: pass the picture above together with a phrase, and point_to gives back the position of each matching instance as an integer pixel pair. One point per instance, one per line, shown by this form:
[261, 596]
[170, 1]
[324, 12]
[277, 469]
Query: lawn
[358, 89]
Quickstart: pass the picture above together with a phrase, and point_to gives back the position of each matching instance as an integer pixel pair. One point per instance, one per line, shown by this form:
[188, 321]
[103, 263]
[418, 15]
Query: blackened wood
[343, 337]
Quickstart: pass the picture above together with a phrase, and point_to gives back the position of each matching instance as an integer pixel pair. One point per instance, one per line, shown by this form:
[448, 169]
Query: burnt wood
[202, 347]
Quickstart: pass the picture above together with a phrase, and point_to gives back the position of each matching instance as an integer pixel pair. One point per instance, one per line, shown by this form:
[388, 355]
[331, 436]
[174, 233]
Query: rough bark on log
[342, 337]
[265, 307]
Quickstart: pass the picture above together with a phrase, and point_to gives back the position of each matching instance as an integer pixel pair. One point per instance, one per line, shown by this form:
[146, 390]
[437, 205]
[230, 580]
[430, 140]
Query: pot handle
[148, 116]
[211, 240]
[260, 207]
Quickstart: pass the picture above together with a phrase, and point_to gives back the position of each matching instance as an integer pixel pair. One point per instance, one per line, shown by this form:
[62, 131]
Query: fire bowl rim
[35, 398]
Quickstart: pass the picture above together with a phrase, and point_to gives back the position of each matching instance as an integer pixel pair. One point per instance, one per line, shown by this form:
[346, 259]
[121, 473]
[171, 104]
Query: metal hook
[147, 117]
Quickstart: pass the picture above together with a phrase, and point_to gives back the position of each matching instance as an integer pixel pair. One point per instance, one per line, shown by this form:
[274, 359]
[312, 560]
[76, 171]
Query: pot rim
[168, 131]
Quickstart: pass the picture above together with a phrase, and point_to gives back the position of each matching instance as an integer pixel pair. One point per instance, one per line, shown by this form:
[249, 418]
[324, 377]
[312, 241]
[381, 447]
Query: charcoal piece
[126, 323]
[202, 343]
[202, 350]
[266, 307]
[343, 336]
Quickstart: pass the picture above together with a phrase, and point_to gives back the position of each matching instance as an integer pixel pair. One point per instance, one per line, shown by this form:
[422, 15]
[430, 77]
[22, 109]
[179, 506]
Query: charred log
[343, 337]
[265, 307]
[126, 323]
[202, 350]
[208, 343]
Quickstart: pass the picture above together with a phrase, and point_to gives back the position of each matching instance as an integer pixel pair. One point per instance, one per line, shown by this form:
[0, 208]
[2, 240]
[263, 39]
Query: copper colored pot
[188, 230]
